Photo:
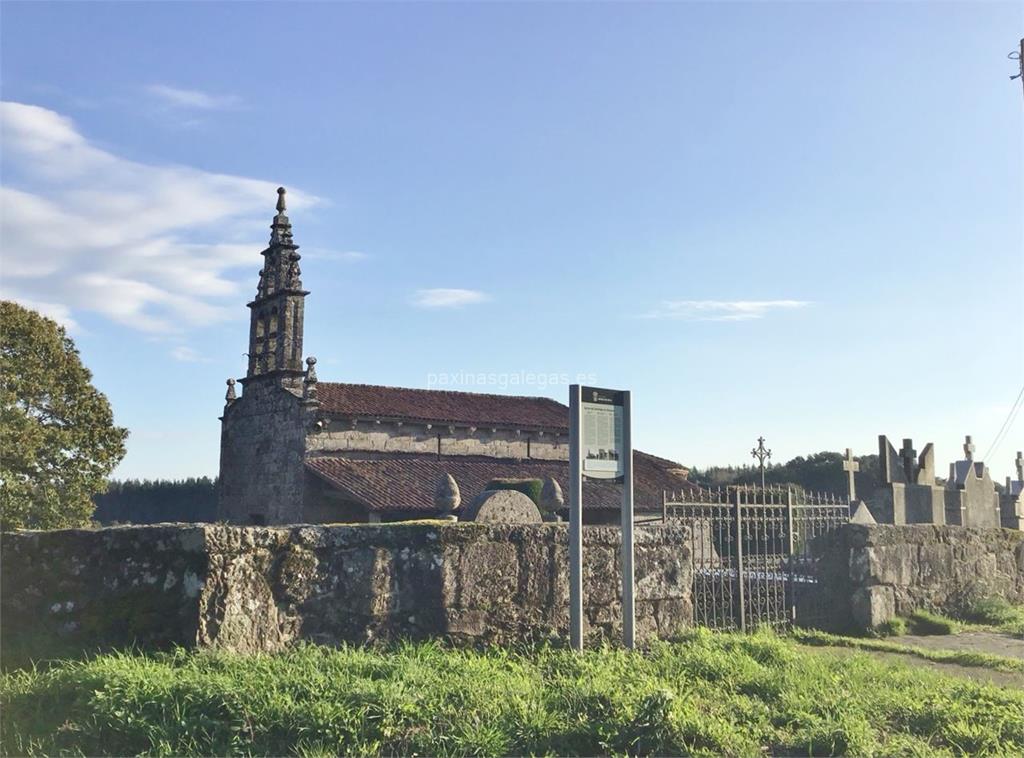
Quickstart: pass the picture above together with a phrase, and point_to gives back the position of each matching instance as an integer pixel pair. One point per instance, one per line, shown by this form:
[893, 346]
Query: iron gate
[752, 563]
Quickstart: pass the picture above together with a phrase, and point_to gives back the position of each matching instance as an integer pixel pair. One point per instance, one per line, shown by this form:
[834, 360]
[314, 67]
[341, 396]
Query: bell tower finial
[275, 334]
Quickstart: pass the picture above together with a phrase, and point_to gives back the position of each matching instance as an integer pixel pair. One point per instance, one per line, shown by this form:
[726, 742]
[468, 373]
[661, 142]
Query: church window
[260, 328]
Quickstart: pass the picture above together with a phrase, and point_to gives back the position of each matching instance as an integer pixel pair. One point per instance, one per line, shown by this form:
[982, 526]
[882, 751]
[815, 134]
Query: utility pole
[1018, 55]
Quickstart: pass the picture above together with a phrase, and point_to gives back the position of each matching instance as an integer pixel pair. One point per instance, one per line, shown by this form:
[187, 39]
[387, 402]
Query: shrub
[529, 487]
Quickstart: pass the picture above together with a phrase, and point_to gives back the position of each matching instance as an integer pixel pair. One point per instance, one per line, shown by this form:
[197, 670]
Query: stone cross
[968, 448]
[909, 456]
[1020, 466]
[850, 466]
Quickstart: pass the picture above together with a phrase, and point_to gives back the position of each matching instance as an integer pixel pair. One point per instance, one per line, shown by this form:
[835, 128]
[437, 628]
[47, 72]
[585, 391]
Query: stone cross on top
[850, 466]
[909, 456]
[1019, 462]
[968, 448]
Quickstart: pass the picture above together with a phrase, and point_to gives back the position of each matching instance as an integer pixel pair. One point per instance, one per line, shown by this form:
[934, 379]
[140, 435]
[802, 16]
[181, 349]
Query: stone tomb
[970, 492]
[909, 494]
[1011, 501]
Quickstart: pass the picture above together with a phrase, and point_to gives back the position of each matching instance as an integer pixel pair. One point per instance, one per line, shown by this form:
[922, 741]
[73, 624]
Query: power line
[1007, 424]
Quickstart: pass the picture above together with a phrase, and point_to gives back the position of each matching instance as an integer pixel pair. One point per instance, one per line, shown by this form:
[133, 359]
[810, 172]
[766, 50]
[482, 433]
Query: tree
[152, 502]
[821, 472]
[58, 442]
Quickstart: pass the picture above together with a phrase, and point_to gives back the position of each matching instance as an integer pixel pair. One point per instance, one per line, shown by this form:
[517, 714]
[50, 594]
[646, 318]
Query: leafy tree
[58, 442]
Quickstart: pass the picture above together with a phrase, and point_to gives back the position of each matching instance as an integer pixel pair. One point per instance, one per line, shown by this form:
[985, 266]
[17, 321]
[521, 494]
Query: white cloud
[187, 355]
[722, 310]
[338, 256]
[192, 98]
[447, 298]
[152, 247]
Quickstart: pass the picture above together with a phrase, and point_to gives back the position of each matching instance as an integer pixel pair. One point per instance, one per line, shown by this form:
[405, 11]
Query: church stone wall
[262, 469]
[261, 588]
[370, 436]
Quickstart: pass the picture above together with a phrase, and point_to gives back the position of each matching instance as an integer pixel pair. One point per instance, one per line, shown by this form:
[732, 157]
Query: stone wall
[259, 589]
[873, 573]
[342, 435]
[104, 587]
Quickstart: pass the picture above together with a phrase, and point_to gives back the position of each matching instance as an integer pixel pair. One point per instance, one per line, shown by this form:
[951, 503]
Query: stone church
[298, 450]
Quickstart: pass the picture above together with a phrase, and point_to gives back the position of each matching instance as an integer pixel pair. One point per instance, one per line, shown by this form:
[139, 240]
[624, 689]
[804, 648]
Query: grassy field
[705, 695]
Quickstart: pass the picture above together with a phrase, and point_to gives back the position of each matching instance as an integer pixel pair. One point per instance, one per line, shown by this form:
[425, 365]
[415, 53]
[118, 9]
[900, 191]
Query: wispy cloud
[148, 246]
[721, 310]
[447, 298]
[186, 354]
[337, 256]
[193, 98]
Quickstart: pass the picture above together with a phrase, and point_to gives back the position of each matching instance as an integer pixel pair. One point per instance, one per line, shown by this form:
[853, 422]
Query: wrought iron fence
[751, 553]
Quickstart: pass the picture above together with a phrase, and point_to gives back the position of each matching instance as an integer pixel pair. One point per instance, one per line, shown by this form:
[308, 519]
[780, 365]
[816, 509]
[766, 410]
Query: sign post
[600, 447]
[628, 603]
[575, 523]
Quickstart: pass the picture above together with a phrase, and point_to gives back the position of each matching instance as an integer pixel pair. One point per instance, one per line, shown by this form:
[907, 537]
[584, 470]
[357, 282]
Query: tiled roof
[406, 481]
[442, 406]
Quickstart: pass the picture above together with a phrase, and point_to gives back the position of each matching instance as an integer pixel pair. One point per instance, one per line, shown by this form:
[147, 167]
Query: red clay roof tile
[405, 482]
[442, 406]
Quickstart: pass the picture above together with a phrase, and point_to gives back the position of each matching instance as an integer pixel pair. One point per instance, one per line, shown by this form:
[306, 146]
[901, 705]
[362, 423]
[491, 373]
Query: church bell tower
[275, 327]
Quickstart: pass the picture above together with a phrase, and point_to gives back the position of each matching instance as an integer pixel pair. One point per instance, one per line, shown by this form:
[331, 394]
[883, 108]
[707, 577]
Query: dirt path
[976, 642]
[979, 642]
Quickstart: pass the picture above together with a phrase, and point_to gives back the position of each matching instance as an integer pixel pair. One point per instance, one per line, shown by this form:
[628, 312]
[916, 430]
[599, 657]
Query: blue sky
[802, 220]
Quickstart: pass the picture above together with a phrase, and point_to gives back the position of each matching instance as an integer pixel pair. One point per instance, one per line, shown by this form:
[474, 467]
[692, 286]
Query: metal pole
[739, 562]
[575, 522]
[790, 546]
[628, 604]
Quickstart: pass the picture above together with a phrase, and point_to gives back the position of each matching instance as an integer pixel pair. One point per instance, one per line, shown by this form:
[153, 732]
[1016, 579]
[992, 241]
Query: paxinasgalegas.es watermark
[504, 380]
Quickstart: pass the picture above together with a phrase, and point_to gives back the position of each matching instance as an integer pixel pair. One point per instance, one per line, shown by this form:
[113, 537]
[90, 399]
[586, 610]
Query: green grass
[894, 627]
[926, 622]
[963, 657]
[993, 614]
[997, 614]
[706, 694]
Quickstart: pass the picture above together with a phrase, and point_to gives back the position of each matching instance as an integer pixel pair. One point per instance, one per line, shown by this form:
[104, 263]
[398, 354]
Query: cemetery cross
[850, 466]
